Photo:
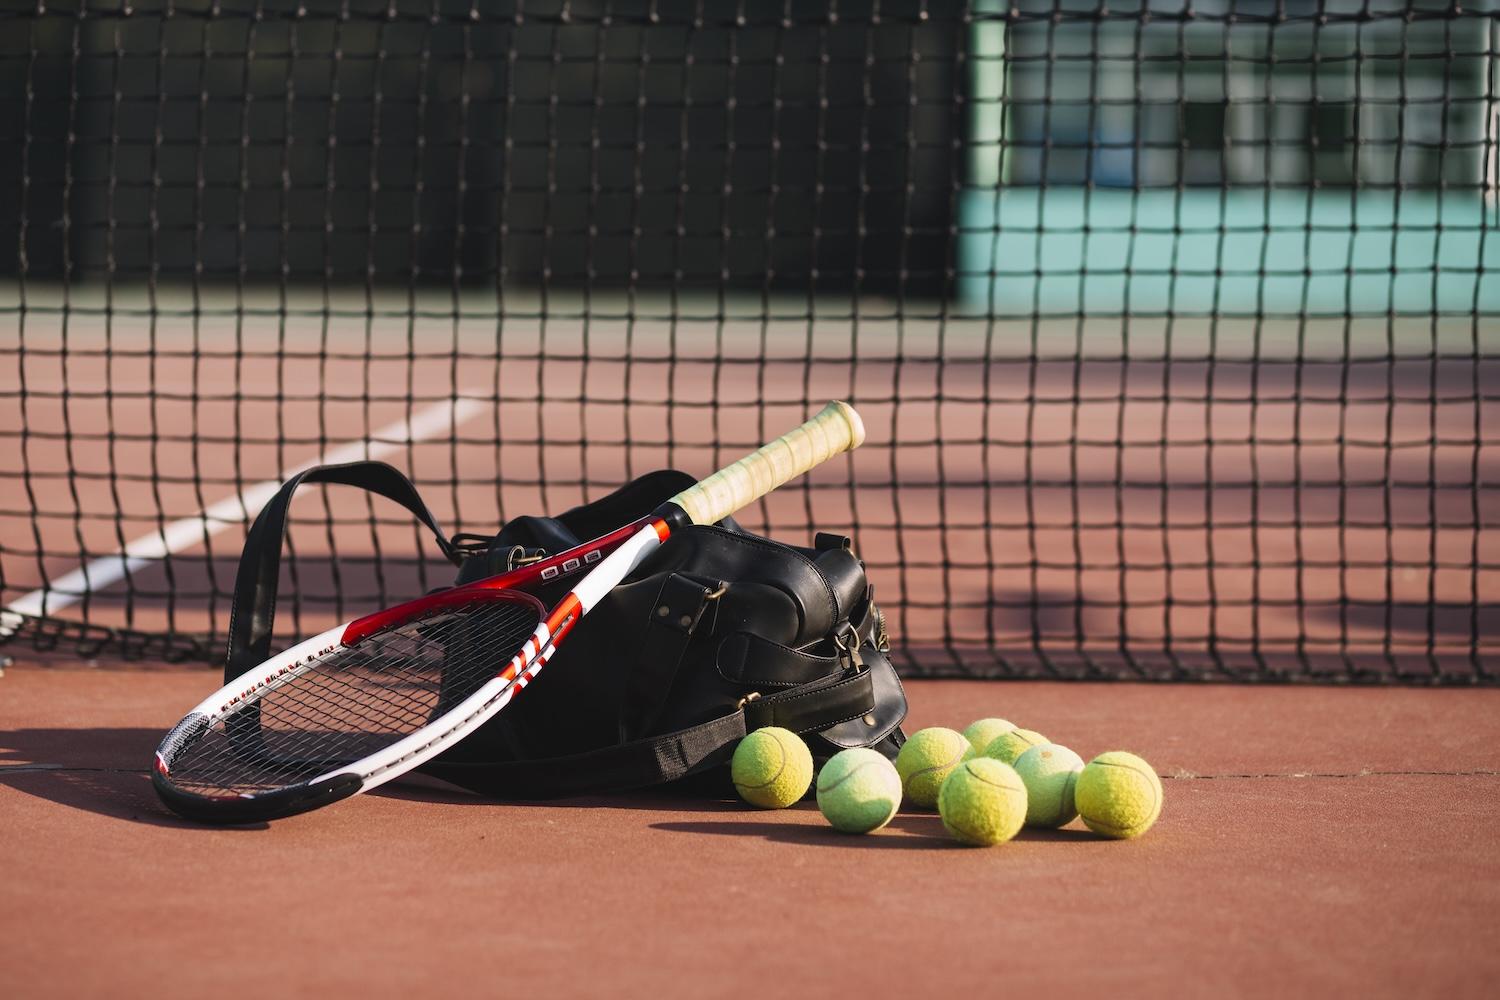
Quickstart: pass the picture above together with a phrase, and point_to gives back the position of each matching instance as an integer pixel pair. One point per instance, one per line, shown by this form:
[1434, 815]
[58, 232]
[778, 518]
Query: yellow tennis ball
[926, 759]
[983, 802]
[1118, 795]
[1049, 772]
[982, 732]
[771, 768]
[1008, 746]
[859, 790]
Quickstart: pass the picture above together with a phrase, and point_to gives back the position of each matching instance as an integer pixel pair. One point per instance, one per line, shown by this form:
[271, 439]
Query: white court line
[185, 532]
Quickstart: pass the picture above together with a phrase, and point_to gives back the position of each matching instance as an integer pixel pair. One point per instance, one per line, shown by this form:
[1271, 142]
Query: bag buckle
[520, 555]
[847, 640]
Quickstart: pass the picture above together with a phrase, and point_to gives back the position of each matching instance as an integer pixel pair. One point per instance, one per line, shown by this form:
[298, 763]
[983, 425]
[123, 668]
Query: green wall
[1232, 251]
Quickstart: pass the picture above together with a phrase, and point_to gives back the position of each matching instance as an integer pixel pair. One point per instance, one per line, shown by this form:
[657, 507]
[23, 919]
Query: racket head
[319, 722]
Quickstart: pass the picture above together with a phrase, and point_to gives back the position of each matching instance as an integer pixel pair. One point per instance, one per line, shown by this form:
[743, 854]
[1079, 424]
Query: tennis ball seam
[1070, 787]
[1111, 829]
[1025, 736]
[1156, 795]
[923, 772]
[1127, 767]
[780, 770]
[1069, 796]
[1099, 826]
[999, 728]
[993, 784]
[1108, 829]
[847, 775]
[978, 828]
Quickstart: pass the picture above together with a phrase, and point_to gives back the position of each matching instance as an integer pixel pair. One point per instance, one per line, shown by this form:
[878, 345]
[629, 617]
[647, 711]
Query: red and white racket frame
[611, 558]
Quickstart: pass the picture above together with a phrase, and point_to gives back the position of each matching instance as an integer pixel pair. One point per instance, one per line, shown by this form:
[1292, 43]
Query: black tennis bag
[719, 632]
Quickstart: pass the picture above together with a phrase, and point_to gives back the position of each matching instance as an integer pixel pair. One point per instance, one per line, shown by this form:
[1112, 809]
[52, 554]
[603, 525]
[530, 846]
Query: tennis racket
[360, 704]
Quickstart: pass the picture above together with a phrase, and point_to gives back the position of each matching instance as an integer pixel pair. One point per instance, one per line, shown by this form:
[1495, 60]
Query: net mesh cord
[1174, 326]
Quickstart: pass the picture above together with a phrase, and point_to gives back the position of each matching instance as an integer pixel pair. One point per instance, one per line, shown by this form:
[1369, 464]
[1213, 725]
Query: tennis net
[1174, 325]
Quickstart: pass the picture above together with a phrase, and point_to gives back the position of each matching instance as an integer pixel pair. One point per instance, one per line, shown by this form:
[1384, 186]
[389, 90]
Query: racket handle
[836, 429]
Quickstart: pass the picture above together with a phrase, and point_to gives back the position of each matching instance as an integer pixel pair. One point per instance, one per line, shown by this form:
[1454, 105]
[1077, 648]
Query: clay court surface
[1316, 841]
[1173, 329]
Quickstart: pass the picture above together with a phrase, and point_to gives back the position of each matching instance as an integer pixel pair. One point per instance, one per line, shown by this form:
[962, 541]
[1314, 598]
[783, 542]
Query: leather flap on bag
[755, 662]
[884, 717]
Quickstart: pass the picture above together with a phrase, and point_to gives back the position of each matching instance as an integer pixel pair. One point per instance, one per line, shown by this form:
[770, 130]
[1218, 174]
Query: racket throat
[669, 517]
[563, 617]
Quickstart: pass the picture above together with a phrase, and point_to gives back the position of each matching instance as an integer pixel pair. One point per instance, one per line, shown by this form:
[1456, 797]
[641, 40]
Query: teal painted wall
[1236, 251]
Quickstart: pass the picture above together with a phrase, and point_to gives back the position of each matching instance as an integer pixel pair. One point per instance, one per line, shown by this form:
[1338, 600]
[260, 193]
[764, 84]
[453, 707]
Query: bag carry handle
[253, 611]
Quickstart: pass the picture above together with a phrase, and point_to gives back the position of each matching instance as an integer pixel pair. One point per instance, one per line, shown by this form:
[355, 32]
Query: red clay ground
[1315, 841]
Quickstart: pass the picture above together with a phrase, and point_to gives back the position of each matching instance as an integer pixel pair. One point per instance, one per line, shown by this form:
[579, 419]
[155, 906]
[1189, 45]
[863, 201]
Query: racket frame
[837, 428]
[419, 746]
[626, 548]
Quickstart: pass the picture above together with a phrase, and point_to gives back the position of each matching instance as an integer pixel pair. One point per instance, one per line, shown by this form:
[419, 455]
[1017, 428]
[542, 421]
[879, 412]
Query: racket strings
[355, 701]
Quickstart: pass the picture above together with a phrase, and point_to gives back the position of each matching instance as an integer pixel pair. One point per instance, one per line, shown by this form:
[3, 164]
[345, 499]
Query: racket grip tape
[837, 429]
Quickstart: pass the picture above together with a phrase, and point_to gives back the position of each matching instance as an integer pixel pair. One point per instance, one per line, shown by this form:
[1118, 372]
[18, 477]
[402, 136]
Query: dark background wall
[665, 144]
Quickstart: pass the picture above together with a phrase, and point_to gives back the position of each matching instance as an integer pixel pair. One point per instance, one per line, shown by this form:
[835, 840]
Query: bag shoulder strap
[656, 760]
[253, 611]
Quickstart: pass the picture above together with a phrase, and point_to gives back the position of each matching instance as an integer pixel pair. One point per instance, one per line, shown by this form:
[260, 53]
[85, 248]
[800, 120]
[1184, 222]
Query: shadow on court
[106, 771]
[63, 766]
[905, 833]
[419, 787]
[908, 831]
